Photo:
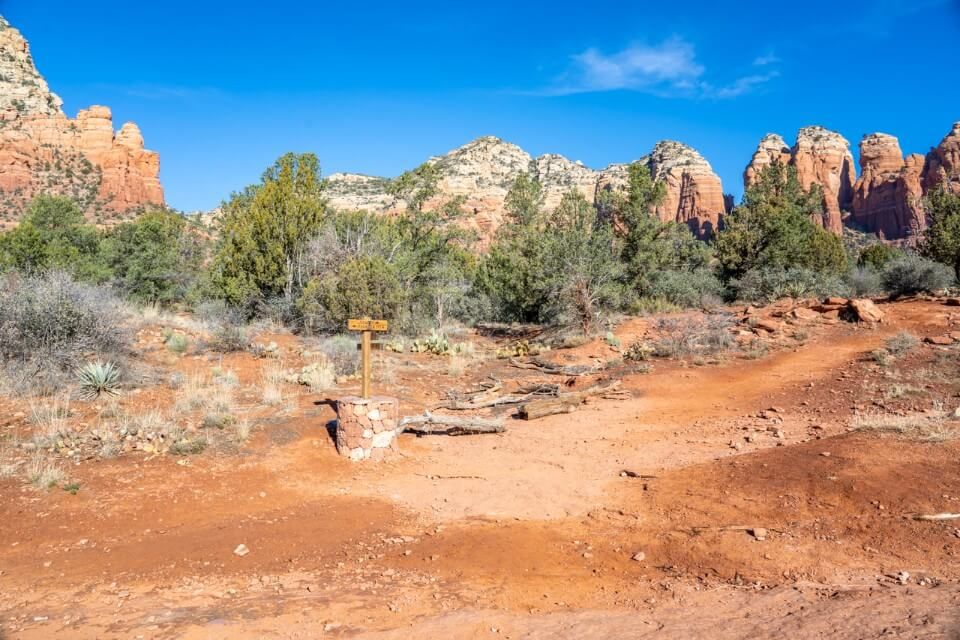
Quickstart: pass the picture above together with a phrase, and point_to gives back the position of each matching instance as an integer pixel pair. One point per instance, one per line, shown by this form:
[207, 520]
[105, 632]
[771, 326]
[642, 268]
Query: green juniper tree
[265, 230]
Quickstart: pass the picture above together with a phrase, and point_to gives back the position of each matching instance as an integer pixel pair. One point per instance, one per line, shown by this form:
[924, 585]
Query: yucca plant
[98, 378]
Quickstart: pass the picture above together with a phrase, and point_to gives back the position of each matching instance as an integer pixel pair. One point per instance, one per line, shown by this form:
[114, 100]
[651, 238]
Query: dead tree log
[563, 403]
[430, 424]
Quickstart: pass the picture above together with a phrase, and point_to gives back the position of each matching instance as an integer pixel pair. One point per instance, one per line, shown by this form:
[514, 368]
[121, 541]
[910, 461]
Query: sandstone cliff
[821, 157]
[483, 170]
[42, 151]
[887, 197]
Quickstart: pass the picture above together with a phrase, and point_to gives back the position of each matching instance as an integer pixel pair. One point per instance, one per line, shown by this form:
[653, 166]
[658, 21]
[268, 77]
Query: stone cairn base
[367, 427]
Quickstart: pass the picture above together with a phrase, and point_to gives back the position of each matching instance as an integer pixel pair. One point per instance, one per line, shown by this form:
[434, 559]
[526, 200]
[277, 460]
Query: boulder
[864, 310]
[952, 302]
[944, 341]
[802, 313]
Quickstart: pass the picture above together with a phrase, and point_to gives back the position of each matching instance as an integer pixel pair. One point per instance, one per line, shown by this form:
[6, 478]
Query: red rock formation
[943, 163]
[694, 192]
[887, 196]
[771, 149]
[42, 151]
[823, 157]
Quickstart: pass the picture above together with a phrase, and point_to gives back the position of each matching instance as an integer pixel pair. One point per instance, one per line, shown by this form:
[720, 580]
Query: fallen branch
[563, 403]
[449, 425]
[485, 400]
[554, 369]
[936, 516]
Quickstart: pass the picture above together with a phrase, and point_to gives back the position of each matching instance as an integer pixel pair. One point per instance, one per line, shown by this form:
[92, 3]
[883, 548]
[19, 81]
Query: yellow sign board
[366, 324]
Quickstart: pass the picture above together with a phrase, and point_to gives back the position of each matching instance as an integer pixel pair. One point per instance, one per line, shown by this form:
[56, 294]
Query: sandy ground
[533, 533]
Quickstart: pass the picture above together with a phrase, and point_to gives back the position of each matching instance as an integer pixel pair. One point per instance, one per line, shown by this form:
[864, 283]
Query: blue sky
[221, 89]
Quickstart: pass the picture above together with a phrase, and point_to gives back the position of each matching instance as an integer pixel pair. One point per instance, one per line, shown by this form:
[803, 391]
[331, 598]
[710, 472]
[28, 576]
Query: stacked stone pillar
[367, 427]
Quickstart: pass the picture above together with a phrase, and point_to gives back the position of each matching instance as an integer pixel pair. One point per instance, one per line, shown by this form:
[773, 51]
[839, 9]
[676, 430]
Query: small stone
[241, 550]
[639, 556]
[587, 554]
[759, 533]
[825, 454]
[939, 340]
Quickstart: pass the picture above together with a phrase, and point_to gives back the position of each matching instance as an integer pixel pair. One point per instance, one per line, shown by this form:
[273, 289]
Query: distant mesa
[108, 173]
[483, 170]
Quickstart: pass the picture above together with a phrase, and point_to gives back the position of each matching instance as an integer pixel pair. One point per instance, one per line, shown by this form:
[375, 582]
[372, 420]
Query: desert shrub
[914, 274]
[155, 258]
[53, 235]
[680, 337]
[50, 324]
[342, 353]
[864, 282]
[877, 255]
[97, 379]
[361, 287]
[901, 343]
[941, 239]
[178, 343]
[697, 288]
[767, 285]
[646, 306]
[228, 328]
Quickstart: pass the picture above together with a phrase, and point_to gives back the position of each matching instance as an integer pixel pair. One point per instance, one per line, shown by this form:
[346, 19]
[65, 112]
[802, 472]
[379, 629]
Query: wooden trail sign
[365, 326]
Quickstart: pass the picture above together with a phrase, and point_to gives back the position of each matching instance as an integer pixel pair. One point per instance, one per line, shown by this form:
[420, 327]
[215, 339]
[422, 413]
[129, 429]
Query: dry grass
[241, 431]
[44, 473]
[9, 465]
[901, 390]
[50, 419]
[929, 427]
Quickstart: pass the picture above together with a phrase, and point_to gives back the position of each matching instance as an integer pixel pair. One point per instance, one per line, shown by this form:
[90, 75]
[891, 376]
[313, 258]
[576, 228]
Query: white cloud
[766, 60]
[668, 69]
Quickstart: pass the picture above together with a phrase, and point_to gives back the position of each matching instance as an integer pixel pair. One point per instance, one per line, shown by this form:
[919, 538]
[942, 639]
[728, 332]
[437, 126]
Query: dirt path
[530, 534]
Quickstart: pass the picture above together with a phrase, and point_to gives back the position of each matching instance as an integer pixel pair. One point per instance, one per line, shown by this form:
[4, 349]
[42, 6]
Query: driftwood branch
[430, 424]
[563, 403]
[936, 516]
[554, 369]
[487, 399]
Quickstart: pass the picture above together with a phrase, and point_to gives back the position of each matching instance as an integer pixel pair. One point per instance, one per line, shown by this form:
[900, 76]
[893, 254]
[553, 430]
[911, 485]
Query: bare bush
[690, 335]
[341, 351]
[50, 325]
[901, 343]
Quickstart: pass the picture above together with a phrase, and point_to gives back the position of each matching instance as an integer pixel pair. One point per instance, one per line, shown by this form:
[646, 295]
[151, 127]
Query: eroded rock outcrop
[772, 149]
[482, 172]
[943, 163]
[821, 157]
[888, 195]
[42, 151]
[694, 192]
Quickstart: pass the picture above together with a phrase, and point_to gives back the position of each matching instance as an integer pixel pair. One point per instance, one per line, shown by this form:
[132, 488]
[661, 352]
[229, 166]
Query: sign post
[365, 326]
